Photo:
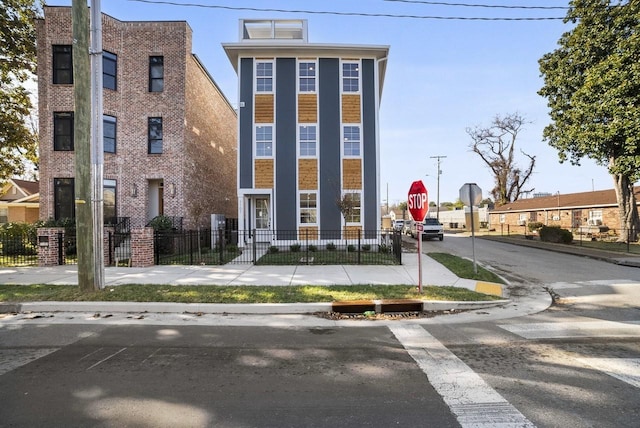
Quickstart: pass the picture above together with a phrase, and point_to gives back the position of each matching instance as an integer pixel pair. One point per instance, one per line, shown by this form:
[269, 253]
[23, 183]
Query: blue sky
[443, 76]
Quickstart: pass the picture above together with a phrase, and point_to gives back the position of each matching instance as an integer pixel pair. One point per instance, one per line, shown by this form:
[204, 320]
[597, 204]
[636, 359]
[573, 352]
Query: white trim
[255, 75]
[316, 79]
[255, 143]
[359, 79]
[298, 209]
[299, 155]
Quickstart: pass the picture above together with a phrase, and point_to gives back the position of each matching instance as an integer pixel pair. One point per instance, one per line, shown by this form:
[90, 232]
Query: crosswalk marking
[577, 329]
[12, 358]
[624, 369]
[473, 402]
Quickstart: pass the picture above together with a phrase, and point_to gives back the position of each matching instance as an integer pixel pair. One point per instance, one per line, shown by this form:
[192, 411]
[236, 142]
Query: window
[264, 141]
[351, 138]
[350, 77]
[4, 215]
[155, 135]
[156, 73]
[308, 140]
[109, 202]
[64, 198]
[307, 76]
[264, 76]
[595, 218]
[109, 134]
[351, 202]
[63, 131]
[308, 208]
[503, 218]
[109, 70]
[62, 64]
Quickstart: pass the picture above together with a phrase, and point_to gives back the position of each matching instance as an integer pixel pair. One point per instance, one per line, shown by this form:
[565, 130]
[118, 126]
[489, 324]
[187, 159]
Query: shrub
[383, 248]
[351, 248]
[331, 246]
[555, 234]
[161, 222]
[273, 249]
[366, 247]
[18, 238]
[294, 248]
[536, 225]
[312, 248]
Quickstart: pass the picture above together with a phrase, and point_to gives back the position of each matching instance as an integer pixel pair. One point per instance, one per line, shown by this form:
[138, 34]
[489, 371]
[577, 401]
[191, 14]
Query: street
[575, 364]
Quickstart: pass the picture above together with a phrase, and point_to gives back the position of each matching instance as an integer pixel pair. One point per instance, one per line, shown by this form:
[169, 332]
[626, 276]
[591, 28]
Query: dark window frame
[62, 120]
[61, 206]
[156, 66]
[107, 120]
[154, 135]
[62, 64]
[109, 76]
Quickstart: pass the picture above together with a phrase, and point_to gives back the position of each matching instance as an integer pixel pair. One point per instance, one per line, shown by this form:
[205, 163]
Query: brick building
[308, 132]
[169, 132]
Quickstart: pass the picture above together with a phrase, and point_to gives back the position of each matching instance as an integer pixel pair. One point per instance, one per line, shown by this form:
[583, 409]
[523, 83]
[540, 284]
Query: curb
[378, 306]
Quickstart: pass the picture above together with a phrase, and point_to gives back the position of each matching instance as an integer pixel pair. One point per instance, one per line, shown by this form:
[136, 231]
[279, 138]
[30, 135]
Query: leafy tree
[496, 147]
[592, 84]
[18, 140]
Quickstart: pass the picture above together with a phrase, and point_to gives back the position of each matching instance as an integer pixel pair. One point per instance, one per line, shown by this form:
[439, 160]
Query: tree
[18, 140]
[496, 147]
[592, 84]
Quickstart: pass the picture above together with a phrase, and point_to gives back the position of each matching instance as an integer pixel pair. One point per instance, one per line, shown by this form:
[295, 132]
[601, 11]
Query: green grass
[326, 257]
[464, 268]
[233, 294]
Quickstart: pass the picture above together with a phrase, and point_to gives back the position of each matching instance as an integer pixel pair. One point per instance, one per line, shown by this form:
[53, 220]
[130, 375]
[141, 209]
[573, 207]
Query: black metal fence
[18, 249]
[67, 249]
[277, 247]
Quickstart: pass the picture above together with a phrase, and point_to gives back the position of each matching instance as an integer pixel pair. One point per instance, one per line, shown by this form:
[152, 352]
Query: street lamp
[438, 188]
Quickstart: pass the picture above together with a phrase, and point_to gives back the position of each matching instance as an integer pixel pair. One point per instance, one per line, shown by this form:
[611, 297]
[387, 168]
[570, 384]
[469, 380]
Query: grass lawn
[464, 268]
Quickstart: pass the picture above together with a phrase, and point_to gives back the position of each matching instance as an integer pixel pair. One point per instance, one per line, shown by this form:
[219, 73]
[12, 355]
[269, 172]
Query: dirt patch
[368, 316]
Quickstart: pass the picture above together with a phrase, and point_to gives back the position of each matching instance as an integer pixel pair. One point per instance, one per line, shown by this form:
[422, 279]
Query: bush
[294, 248]
[351, 248]
[18, 238]
[273, 249]
[536, 225]
[386, 249]
[366, 247]
[162, 223]
[555, 234]
[331, 246]
[312, 248]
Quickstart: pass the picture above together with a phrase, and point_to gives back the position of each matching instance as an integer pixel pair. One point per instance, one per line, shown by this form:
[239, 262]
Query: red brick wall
[142, 247]
[48, 255]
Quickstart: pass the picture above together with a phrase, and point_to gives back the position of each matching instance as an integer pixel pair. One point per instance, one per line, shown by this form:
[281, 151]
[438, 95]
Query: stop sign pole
[418, 204]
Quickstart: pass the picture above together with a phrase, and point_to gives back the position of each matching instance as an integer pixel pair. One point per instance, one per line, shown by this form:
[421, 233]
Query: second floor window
[307, 76]
[62, 64]
[109, 129]
[64, 198]
[353, 202]
[109, 70]
[63, 131]
[351, 138]
[156, 73]
[350, 77]
[264, 141]
[155, 135]
[264, 76]
[308, 140]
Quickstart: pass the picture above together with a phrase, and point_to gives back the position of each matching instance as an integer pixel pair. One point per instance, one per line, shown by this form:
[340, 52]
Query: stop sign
[418, 201]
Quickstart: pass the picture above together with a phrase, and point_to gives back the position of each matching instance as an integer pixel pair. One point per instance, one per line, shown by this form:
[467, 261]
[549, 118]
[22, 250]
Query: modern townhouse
[308, 133]
[169, 132]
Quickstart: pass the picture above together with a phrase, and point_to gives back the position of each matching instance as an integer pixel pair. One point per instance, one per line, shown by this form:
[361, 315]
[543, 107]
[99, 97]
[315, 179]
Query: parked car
[432, 228]
[398, 225]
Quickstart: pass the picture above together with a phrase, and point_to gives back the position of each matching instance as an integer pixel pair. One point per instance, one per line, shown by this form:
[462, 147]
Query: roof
[23, 188]
[598, 198]
[29, 187]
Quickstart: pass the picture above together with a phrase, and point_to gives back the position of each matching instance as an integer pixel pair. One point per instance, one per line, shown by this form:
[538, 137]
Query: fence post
[255, 249]
[190, 234]
[359, 249]
[221, 242]
[306, 237]
[60, 248]
[110, 258]
[156, 247]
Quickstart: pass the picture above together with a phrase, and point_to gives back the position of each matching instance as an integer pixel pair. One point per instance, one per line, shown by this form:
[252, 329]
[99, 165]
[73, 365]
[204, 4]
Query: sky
[443, 76]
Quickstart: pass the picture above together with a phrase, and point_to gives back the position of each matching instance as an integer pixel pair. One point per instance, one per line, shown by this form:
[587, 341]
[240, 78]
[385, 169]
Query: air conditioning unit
[522, 222]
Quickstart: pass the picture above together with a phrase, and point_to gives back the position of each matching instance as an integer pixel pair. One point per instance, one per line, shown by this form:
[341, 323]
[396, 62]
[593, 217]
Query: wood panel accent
[308, 232]
[352, 174]
[263, 174]
[307, 108]
[307, 174]
[264, 108]
[351, 108]
[351, 232]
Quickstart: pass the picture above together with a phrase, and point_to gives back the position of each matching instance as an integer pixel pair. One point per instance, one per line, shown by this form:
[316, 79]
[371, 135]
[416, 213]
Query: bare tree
[496, 147]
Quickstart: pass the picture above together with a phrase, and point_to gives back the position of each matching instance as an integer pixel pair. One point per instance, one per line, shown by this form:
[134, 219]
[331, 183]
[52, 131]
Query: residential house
[19, 201]
[569, 211]
[308, 132]
[169, 132]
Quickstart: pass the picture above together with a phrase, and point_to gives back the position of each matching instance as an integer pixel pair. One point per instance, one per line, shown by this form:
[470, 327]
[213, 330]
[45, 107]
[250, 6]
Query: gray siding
[245, 117]
[370, 181]
[285, 146]
[329, 144]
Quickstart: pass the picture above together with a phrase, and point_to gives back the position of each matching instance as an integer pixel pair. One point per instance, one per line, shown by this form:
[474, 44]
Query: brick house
[308, 132]
[19, 201]
[169, 131]
[570, 211]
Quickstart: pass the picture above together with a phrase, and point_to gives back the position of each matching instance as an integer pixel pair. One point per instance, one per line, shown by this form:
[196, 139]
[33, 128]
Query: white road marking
[12, 358]
[560, 330]
[473, 402]
[624, 369]
[105, 359]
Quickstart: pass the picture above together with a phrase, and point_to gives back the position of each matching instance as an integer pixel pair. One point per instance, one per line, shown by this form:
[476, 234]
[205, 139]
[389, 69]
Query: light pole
[438, 188]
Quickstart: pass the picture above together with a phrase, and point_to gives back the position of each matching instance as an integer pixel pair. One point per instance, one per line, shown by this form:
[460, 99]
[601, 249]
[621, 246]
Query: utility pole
[438, 191]
[97, 143]
[82, 149]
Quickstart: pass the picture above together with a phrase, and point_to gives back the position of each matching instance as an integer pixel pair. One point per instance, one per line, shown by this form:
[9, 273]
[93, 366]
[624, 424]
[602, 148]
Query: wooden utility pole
[82, 144]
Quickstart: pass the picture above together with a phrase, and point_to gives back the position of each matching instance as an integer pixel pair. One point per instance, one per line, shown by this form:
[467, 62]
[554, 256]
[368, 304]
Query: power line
[364, 14]
[488, 6]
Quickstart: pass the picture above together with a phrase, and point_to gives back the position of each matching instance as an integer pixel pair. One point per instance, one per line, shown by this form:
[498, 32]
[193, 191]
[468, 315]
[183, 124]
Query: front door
[262, 219]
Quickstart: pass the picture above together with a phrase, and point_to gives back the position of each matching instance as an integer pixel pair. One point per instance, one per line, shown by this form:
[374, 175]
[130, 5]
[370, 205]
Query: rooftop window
[275, 29]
